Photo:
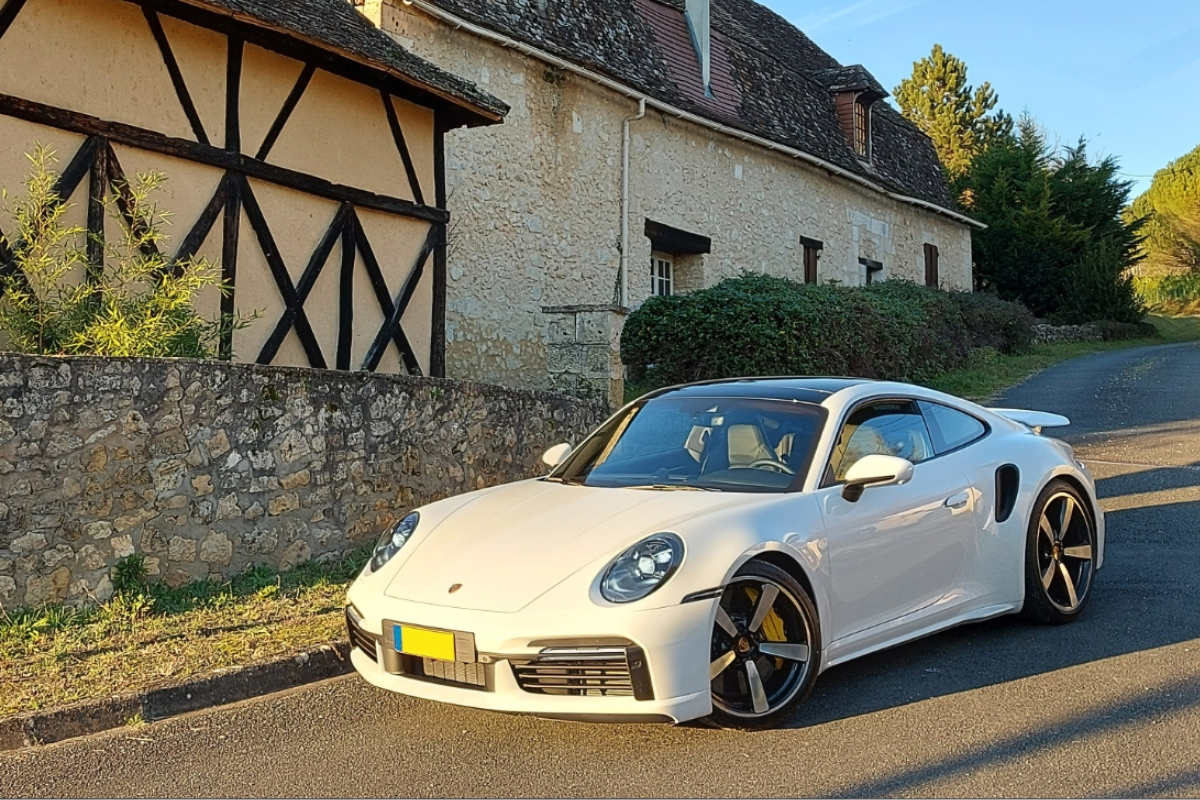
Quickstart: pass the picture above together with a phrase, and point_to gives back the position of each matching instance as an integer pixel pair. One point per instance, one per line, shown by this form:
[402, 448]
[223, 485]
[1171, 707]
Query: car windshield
[733, 444]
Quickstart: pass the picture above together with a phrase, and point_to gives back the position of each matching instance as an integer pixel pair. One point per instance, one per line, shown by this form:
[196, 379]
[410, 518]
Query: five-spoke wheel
[765, 647]
[1058, 559]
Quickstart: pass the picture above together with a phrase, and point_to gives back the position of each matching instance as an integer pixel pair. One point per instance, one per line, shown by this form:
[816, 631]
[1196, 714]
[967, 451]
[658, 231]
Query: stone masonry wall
[536, 217]
[206, 468]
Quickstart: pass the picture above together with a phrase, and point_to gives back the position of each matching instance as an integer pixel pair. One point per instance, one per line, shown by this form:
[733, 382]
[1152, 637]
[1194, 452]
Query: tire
[752, 688]
[1059, 549]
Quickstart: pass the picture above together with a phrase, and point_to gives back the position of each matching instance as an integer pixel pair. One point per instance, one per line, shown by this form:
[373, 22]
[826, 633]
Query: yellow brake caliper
[772, 626]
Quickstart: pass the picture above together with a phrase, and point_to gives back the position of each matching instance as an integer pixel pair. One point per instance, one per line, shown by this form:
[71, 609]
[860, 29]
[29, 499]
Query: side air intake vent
[1008, 481]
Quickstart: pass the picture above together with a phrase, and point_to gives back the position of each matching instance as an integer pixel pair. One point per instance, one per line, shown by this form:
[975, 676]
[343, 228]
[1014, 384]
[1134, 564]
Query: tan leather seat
[746, 446]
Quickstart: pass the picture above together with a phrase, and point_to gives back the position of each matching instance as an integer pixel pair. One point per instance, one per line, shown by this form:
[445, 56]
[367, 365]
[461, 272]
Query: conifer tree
[960, 119]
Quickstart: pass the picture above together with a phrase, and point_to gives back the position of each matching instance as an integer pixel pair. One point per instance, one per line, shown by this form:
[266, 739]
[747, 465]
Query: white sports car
[714, 547]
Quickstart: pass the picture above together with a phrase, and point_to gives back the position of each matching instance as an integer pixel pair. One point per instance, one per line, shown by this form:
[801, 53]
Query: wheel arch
[794, 565]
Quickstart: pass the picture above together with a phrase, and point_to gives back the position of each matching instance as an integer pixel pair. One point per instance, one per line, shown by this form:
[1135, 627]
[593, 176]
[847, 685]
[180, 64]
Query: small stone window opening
[812, 253]
[931, 266]
[662, 275]
[862, 129]
[872, 268]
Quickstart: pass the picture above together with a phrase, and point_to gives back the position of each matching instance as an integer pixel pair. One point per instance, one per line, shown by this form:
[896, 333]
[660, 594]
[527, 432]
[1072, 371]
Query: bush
[138, 303]
[761, 325]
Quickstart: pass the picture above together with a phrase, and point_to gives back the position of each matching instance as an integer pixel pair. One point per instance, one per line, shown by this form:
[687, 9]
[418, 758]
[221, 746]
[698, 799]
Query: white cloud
[855, 15]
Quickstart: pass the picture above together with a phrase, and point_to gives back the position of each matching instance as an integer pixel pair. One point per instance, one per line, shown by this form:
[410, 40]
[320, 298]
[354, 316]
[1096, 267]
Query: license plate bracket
[435, 643]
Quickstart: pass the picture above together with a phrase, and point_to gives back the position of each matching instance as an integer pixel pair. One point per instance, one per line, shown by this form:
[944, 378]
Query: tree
[1056, 240]
[1171, 209]
[53, 301]
[960, 119]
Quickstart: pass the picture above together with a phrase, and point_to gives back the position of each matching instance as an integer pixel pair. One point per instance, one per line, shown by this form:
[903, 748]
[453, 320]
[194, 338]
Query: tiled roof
[338, 26]
[769, 79]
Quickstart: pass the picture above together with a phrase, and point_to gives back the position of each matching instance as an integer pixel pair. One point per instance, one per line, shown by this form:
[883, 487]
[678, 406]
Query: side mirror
[875, 470]
[556, 455]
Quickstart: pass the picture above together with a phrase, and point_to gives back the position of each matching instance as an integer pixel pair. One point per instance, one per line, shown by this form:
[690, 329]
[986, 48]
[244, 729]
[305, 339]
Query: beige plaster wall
[99, 57]
[536, 206]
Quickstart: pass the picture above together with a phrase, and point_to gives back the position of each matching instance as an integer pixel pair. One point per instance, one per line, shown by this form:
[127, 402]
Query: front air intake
[585, 672]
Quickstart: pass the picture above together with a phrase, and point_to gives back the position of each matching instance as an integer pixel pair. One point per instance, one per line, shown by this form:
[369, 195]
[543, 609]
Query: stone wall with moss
[206, 468]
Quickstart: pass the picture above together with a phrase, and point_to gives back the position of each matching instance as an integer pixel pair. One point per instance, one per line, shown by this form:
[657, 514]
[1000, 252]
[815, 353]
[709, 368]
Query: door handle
[958, 501]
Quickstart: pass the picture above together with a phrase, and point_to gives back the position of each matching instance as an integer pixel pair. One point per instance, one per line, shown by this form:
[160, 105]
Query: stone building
[302, 149]
[658, 146]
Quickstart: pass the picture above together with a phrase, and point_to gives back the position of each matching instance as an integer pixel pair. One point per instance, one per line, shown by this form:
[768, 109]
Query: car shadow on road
[1150, 558]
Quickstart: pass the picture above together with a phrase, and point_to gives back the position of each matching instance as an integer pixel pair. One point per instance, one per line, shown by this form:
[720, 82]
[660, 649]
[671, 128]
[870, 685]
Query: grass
[154, 635]
[991, 372]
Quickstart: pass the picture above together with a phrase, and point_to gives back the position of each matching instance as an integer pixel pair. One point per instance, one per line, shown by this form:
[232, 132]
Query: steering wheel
[771, 463]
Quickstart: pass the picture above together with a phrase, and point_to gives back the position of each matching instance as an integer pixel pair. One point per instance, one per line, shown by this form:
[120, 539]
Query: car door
[898, 549]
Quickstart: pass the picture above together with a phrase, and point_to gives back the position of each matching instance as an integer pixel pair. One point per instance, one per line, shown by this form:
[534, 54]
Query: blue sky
[1123, 73]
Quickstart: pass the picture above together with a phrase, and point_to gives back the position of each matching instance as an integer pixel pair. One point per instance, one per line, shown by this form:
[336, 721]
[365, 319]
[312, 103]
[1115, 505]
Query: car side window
[951, 428]
[893, 428]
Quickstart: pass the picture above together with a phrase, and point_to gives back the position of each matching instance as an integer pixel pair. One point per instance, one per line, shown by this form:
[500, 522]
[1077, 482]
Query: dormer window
[854, 92]
[862, 129]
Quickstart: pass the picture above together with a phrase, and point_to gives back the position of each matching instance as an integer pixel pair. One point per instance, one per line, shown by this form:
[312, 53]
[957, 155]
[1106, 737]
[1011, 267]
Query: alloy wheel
[1065, 543]
[761, 648]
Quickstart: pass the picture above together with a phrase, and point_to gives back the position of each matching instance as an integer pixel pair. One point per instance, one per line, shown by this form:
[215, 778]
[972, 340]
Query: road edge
[201, 692]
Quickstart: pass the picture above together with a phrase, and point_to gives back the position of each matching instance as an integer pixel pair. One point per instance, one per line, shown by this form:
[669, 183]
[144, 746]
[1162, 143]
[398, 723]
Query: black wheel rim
[1065, 545]
[761, 648]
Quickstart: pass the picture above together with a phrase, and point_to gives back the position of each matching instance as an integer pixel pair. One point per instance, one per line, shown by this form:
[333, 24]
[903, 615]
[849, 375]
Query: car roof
[801, 389]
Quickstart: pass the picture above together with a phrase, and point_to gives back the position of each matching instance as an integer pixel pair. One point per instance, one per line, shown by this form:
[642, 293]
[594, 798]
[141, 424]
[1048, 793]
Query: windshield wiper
[674, 487]
[564, 481]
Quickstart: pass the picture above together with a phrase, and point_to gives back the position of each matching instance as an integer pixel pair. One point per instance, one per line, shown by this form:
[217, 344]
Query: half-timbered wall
[316, 194]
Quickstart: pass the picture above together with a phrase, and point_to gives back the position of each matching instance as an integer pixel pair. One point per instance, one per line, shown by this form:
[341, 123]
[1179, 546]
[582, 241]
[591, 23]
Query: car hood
[510, 545]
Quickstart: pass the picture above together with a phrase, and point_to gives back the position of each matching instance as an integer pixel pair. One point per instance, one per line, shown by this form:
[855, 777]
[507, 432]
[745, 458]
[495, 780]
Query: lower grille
[360, 638]
[576, 672]
[466, 675]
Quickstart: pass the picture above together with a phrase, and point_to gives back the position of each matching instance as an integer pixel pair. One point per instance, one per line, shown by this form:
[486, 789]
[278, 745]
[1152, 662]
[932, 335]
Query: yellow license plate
[424, 643]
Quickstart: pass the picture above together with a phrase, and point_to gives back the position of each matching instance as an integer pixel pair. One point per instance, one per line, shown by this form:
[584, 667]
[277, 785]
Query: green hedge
[761, 325]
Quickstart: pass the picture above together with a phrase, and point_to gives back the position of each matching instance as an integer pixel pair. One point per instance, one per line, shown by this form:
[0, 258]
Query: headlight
[642, 568]
[392, 540]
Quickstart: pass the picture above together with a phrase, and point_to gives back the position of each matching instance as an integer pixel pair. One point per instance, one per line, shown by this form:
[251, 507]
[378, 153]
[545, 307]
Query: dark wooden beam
[346, 298]
[285, 113]
[152, 141]
[437, 344]
[9, 13]
[391, 324]
[279, 271]
[316, 263]
[97, 193]
[203, 225]
[181, 90]
[126, 206]
[408, 356]
[66, 184]
[229, 262]
[414, 182]
[233, 95]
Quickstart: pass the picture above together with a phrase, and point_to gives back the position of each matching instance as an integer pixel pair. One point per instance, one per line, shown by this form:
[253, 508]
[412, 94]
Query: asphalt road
[1109, 705]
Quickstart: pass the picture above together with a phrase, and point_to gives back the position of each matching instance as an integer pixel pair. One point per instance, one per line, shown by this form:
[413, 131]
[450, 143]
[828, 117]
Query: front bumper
[666, 681]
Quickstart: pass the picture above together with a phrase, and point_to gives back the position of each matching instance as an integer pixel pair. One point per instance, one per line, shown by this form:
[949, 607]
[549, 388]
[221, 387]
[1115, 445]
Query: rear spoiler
[1036, 420]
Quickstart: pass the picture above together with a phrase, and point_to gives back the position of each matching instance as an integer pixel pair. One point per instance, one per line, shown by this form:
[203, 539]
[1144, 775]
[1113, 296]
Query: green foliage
[762, 325]
[960, 119]
[137, 303]
[1056, 240]
[1171, 208]
[129, 575]
[1177, 293]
